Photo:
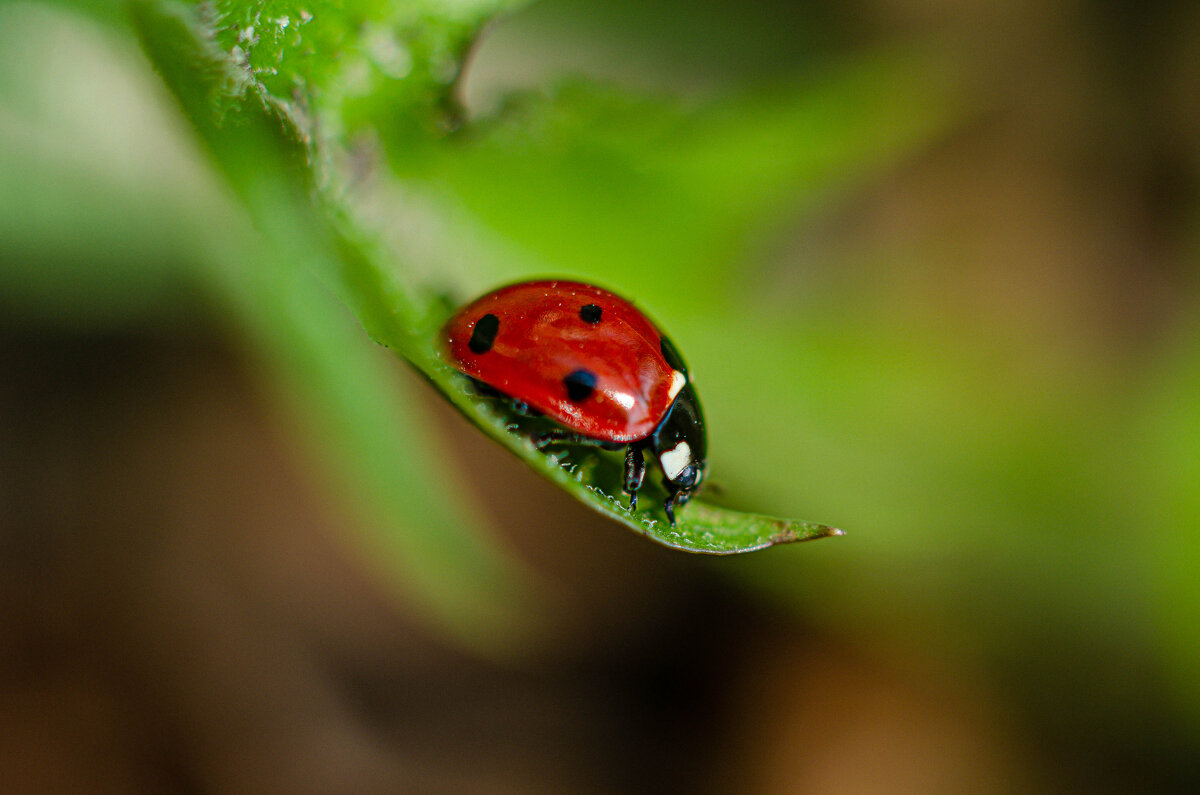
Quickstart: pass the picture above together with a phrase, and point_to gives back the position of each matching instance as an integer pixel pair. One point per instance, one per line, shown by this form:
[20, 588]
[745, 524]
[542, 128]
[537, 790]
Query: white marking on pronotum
[675, 460]
[678, 380]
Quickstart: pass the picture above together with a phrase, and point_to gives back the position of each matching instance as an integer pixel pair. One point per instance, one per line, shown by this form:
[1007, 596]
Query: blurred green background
[935, 267]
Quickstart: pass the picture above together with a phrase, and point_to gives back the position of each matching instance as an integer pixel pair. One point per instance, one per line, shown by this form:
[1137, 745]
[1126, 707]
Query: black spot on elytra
[484, 335]
[580, 384]
[672, 356]
[591, 314]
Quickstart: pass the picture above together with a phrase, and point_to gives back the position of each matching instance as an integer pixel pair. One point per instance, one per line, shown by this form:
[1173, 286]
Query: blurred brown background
[187, 604]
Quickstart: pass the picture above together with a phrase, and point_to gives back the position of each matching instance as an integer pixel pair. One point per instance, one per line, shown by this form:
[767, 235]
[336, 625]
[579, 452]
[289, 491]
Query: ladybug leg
[544, 440]
[523, 408]
[483, 390]
[635, 472]
[674, 500]
[516, 406]
[669, 507]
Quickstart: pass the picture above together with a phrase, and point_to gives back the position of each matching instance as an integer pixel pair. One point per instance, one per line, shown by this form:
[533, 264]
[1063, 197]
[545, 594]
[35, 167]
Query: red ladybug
[592, 362]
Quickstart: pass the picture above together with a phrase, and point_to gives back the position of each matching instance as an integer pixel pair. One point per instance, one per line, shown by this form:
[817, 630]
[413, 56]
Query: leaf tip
[794, 532]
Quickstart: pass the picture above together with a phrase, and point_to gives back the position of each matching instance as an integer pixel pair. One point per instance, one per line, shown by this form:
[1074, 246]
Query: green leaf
[277, 282]
[594, 477]
[652, 192]
[264, 145]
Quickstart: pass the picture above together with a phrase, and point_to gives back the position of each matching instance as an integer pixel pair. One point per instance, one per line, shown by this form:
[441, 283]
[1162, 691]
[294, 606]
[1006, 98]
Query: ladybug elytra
[593, 363]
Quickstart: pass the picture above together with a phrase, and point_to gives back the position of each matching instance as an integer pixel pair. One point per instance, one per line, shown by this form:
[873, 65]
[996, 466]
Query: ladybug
[593, 363]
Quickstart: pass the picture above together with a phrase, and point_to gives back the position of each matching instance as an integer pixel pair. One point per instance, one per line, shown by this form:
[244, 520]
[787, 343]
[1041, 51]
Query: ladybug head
[679, 445]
